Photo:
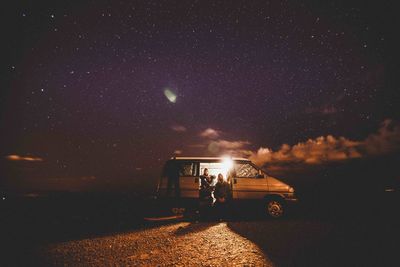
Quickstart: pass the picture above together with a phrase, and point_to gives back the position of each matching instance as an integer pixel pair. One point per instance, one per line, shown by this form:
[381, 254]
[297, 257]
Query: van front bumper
[292, 201]
[290, 197]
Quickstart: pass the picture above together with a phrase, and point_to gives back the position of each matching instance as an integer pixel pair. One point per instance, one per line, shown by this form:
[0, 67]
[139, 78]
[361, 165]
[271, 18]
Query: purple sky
[84, 84]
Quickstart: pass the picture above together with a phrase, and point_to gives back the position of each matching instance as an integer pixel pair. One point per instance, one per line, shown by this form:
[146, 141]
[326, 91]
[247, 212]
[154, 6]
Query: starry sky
[111, 89]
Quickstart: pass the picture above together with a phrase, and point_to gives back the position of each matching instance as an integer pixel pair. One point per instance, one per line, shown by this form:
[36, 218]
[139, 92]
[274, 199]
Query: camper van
[247, 181]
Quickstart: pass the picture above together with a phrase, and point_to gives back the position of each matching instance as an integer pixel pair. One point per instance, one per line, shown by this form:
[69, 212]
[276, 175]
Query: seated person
[222, 191]
[206, 186]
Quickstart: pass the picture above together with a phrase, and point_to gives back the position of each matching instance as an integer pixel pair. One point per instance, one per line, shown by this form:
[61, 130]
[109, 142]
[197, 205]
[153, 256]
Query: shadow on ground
[304, 243]
[194, 227]
[327, 236]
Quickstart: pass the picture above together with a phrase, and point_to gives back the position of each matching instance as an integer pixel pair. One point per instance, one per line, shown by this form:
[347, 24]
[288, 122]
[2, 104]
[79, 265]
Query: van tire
[274, 207]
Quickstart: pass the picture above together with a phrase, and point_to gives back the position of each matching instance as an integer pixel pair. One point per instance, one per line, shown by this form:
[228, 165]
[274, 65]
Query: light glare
[227, 164]
[170, 95]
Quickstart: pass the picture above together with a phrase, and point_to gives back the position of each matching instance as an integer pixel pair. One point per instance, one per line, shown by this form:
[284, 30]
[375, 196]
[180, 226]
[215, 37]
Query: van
[247, 181]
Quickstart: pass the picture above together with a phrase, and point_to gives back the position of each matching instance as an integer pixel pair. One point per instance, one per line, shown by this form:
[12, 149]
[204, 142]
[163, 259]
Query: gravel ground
[90, 231]
[180, 244]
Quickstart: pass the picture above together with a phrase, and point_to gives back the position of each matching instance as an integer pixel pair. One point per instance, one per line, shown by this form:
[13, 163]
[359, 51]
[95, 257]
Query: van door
[189, 179]
[248, 182]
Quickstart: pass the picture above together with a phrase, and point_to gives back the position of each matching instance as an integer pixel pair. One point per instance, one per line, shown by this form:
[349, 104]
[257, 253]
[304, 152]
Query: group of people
[215, 194]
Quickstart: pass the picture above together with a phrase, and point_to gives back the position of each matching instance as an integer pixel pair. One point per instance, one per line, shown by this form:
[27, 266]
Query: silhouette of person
[223, 195]
[206, 186]
[172, 173]
[222, 191]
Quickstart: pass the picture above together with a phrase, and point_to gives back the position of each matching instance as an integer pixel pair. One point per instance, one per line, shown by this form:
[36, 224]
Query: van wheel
[275, 208]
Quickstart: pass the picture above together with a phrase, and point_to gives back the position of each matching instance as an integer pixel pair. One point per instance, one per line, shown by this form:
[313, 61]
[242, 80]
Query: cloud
[233, 148]
[210, 133]
[197, 145]
[386, 140]
[313, 151]
[178, 128]
[225, 144]
[23, 158]
[329, 148]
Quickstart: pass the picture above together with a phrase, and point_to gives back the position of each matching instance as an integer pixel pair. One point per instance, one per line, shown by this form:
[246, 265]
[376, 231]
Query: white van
[246, 179]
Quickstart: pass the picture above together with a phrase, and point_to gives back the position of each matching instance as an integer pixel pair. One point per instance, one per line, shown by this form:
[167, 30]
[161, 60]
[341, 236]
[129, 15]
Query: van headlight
[291, 190]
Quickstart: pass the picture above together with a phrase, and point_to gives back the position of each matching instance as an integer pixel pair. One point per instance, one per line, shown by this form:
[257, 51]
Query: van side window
[187, 169]
[245, 170]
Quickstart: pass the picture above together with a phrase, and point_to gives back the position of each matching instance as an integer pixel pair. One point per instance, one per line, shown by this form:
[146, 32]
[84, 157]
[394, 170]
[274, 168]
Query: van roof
[208, 158]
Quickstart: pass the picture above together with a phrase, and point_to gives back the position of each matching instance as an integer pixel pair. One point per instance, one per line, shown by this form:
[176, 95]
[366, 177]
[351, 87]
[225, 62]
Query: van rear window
[188, 169]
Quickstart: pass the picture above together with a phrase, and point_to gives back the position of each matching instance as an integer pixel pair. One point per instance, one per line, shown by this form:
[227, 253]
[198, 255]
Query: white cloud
[233, 148]
[329, 148]
[225, 144]
[210, 133]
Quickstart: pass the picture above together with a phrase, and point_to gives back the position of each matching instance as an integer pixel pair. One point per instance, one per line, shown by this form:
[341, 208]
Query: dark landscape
[33, 229]
[334, 224]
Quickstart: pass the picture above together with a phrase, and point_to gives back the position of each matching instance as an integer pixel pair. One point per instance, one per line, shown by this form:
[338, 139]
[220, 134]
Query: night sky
[103, 92]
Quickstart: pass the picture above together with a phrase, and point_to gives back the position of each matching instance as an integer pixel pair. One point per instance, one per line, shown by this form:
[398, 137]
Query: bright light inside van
[227, 165]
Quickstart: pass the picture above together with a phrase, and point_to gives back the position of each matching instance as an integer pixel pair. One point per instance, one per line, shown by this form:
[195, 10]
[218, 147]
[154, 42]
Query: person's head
[205, 171]
[220, 178]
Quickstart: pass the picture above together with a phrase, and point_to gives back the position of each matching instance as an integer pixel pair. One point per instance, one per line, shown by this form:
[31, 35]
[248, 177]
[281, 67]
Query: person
[206, 197]
[206, 187]
[171, 171]
[229, 179]
[222, 191]
[223, 195]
